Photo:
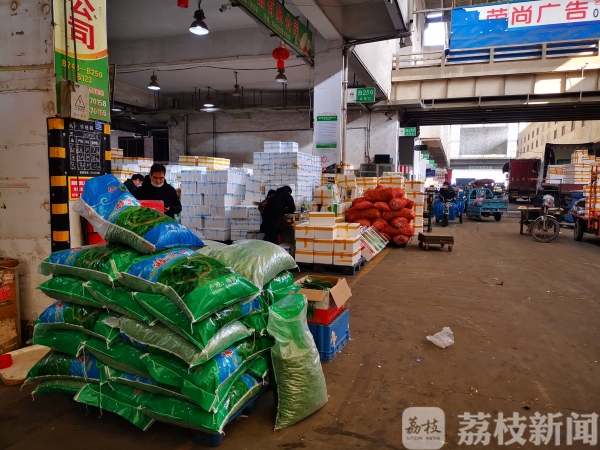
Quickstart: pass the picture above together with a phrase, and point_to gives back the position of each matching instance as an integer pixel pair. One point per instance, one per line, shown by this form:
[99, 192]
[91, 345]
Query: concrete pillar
[27, 98]
[329, 70]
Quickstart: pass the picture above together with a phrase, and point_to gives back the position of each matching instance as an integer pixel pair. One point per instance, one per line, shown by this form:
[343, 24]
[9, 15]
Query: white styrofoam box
[254, 213]
[272, 146]
[253, 184]
[188, 210]
[217, 222]
[203, 210]
[346, 259]
[198, 222]
[303, 256]
[325, 196]
[261, 158]
[215, 234]
[414, 186]
[346, 245]
[188, 187]
[238, 235]
[304, 244]
[187, 222]
[245, 224]
[417, 197]
[322, 218]
[198, 232]
[304, 230]
[239, 212]
[323, 245]
[419, 210]
[221, 200]
[348, 230]
[347, 180]
[253, 196]
[287, 146]
[325, 232]
[418, 229]
[187, 199]
[223, 212]
[323, 257]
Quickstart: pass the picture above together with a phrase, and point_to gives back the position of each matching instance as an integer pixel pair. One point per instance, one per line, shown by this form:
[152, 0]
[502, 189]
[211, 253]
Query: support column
[328, 113]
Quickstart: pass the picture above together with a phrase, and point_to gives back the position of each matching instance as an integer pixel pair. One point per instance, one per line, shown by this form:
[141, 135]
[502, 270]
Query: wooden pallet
[321, 268]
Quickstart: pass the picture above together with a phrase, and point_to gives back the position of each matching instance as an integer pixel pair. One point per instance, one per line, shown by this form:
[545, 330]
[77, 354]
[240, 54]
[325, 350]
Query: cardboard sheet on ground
[23, 360]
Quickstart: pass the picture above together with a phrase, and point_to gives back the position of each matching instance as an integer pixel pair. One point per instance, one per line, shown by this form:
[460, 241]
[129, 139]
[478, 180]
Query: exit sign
[361, 95]
[410, 131]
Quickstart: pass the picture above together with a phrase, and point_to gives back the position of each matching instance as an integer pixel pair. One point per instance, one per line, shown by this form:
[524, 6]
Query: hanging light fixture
[198, 26]
[154, 86]
[281, 54]
[208, 103]
[236, 92]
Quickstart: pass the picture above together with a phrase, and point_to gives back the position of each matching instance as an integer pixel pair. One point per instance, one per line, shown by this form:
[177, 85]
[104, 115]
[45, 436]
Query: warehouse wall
[237, 135]
[27, 97]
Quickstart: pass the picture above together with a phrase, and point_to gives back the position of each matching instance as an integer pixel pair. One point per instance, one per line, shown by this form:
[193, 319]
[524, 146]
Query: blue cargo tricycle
[446, 211]
[481, 202]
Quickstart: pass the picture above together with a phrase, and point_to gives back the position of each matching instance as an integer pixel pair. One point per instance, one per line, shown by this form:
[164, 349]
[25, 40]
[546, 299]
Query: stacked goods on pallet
[388, 211]
[124, 167]
[280, 164]
[591, 194]
[245, 222]
[207, 198]
[580, 169]
[415, 192]
[160, 333]
[208, 162]
[328, 318]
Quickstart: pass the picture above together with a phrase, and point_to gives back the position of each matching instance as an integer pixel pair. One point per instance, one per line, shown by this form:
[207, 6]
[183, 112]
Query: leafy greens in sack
[297, 367]
[120, 300]
[120, 399]
[208, 383]
[118, 217]
[120, 355]
[69, 289]
[63, 315]
[111, 375]
[257, 261]
[64, 341]
[92, 262]
[197, 284]
[188, 415]
[57, 365]
[204, 333]
[67, 387]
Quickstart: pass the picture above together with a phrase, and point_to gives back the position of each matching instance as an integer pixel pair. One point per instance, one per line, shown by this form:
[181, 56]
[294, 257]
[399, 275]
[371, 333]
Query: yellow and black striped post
[106, 146]
[59, 190]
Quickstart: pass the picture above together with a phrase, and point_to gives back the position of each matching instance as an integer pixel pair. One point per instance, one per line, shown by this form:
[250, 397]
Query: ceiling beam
[318, 18]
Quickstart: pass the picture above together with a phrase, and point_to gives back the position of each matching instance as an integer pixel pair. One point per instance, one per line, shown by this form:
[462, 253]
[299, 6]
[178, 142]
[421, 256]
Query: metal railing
[490, 55]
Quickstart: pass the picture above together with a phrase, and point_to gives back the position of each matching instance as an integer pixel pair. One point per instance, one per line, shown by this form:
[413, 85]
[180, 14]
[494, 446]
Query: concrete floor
[526, 321]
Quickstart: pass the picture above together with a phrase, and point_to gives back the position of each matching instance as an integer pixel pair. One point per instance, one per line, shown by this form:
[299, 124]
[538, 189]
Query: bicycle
[545, 228]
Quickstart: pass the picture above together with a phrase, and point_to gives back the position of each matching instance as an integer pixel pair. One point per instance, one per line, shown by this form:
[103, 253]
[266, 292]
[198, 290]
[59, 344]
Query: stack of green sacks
[177, 336]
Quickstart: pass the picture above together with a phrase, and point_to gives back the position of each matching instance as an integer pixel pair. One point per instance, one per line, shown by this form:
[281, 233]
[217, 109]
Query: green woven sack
[55, 366]
[120, 355]
[64, 341]
[123, 400]
[69, 289]
[111, 375]
[120, 300]
[67, 387]
[297, 367]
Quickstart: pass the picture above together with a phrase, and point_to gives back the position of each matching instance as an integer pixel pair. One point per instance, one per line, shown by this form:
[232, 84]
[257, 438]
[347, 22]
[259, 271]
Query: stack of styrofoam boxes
[592, 196]
[324, 227]
[192, 203]
[393, 181]
[347, 246]
[326, 197]
[208, 162]
[367, 182]
[278, 147]
[253, 190]
[244, 219]
[415, 190]
[556, 173]
[221, 190]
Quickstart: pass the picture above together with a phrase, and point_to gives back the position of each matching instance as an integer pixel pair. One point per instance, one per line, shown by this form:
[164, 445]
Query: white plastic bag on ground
[442, 339]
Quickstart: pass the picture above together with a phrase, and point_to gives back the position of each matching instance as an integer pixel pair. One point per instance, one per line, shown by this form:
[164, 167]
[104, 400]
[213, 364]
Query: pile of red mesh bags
[386, 210]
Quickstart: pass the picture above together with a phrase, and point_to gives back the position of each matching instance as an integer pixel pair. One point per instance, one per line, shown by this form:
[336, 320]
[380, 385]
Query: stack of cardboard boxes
[415, 190]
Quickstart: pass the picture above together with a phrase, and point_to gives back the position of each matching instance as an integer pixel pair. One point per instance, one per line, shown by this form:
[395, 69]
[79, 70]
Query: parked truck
[526, 177]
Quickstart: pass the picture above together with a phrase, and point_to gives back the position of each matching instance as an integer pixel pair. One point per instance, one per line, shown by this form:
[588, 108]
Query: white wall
[27, 97]
[377, 58]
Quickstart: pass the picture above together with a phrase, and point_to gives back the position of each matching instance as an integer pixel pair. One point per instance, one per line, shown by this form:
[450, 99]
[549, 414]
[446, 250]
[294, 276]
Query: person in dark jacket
[447, 194]
[280, 204]
[155, 187]
[261, 205]
[134, 182]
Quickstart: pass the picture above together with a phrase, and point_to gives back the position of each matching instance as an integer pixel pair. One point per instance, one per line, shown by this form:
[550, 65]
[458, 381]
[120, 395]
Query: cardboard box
[323, 245]
[325, 232]
[304, 256]
[346, 245]
[304, 230]
[346, 259]
[346, 229]
[306, 245]
[338, 294]
[324, 257]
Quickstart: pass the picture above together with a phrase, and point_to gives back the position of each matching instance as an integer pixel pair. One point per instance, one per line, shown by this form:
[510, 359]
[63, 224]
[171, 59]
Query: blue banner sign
[519, 23]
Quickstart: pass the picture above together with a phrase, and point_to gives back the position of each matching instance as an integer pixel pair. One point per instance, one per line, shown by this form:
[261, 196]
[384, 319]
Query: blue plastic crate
[330, 339]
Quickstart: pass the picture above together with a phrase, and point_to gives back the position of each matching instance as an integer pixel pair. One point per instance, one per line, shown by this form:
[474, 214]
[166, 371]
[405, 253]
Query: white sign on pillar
[329, 71]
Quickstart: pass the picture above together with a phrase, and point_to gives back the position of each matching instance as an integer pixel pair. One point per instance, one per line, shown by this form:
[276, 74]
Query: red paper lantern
[281, 53]
[183, 3]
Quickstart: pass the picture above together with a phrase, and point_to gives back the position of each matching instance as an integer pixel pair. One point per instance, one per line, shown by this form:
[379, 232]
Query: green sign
[410, 131]
[283, 23]
[361, 95]
[85, 25]
[327, 131]
[425, 155]
[421, 147]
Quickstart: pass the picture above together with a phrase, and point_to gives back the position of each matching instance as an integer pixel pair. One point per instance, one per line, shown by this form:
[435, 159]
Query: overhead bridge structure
[554, 81]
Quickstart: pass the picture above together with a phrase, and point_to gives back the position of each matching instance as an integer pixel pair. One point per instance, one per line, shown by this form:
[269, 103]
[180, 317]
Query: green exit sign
[361, 95]
[425, 155]
[410, 131]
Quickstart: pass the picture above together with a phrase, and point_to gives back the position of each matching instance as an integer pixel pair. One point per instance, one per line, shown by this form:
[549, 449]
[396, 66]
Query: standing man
[261, 205]
[280, 204]
[155, 187]
[134, 182]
